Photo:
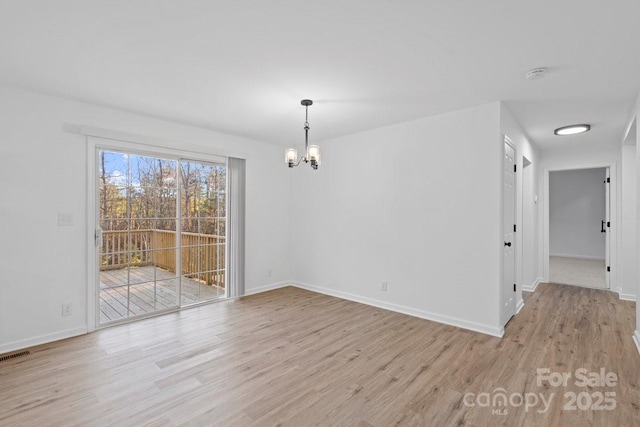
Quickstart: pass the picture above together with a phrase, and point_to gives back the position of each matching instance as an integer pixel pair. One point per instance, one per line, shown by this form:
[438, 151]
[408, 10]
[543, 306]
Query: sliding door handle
[602, 229]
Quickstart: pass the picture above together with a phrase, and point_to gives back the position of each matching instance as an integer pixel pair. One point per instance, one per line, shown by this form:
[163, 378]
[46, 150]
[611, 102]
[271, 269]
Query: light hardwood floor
[293, 357]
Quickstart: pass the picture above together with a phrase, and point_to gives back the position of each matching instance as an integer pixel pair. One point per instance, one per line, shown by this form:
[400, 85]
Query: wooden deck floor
[153, 289]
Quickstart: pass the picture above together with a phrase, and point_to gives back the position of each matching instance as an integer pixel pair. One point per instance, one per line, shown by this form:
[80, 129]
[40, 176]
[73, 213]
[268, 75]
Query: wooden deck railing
[203, 255]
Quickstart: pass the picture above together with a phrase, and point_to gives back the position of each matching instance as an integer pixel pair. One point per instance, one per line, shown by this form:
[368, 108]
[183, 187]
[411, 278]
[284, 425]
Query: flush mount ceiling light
[572, 130]
[311, 152]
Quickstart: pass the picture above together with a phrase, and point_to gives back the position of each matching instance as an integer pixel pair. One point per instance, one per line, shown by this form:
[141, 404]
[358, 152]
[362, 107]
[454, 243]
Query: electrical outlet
[66, 309]
[65, 219]
[383, 287]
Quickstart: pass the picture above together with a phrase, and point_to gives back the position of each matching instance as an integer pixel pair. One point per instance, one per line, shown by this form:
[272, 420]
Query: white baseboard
[447, 320]
[533, 286]
[68, 333]
[519, 306]
[599, 258]
[636, 339]
[625, 297]
[42, 339]
[266, 288]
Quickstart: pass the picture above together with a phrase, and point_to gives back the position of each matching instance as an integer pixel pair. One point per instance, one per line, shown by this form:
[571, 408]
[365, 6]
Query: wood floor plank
[292, 357]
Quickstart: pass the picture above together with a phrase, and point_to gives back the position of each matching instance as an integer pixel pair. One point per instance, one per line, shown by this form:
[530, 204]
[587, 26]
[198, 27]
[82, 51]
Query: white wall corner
[266, 288]
[625, 297]
[520, 306]
[636, 339]
[434, 317]
[533, 286]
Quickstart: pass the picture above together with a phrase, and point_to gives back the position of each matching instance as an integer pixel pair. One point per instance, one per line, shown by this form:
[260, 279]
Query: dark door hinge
[515, 168]
[514, 287]
[609, 224]
[608, 268]
[514, 228]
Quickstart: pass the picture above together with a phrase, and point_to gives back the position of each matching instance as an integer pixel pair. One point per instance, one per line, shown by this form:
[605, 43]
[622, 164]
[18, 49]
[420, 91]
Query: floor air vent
[14, 355]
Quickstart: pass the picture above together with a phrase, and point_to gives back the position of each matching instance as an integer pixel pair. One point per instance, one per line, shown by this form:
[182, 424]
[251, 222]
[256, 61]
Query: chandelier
[311, 152]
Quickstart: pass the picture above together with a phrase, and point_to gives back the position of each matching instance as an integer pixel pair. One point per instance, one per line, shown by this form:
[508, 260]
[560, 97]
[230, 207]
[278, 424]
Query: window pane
[142, 198]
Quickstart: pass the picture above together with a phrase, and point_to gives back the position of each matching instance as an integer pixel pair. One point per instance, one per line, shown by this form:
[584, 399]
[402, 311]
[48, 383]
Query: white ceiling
[242, 67]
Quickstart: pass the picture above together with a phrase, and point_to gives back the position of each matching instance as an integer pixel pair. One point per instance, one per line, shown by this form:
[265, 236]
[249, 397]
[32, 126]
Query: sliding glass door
[162, 241]
[203, 230]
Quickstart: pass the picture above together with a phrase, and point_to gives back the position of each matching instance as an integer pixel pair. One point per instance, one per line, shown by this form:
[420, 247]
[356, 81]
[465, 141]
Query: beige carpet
[577, 271]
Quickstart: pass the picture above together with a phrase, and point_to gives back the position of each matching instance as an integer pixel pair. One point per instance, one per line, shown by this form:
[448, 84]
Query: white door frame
[507, 287]
[526, 229]
[607, 228]
[92, 252]
[128, 143]
[613, 215]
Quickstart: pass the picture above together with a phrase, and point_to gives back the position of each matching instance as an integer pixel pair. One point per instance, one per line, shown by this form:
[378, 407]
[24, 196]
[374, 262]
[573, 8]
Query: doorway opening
[579, 227]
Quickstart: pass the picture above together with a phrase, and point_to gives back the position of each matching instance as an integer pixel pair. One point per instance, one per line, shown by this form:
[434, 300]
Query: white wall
[417, 205]
[635, 120]
[43, 172]
[637, 287]
[628, 267]
[528, 271]
[531, 273]
[576, 209]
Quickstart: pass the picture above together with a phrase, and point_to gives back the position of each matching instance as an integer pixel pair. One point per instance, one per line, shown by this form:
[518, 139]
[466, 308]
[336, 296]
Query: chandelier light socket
[291, 157]
[313, 154]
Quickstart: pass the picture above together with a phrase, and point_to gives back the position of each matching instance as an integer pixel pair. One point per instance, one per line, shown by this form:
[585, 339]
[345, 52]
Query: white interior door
[509, 259]
[607, 228]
